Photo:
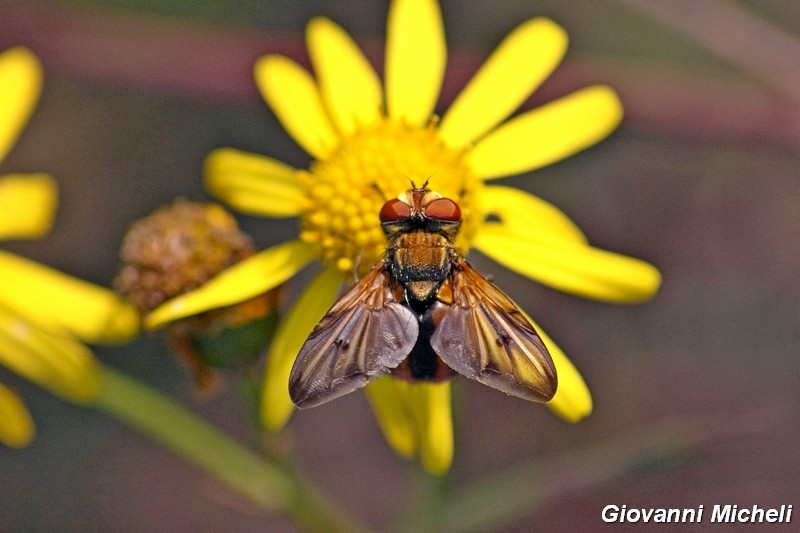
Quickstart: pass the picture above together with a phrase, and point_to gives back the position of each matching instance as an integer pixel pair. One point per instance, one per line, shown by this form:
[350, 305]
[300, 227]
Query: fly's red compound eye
[443, 209]
[394, 211]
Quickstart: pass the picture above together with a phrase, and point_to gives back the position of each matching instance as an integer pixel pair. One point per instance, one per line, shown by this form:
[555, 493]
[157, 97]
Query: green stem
[248, 387]
[273, 487]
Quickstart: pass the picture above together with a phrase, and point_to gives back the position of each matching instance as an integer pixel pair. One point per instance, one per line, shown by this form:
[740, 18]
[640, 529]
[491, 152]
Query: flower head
[45, 316]
[368, 141]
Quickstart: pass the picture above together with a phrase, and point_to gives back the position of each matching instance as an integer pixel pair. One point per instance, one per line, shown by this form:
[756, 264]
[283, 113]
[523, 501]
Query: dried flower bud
[177, 249]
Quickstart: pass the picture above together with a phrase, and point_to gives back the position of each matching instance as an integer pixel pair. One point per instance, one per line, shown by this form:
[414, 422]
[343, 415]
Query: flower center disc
[347, 190]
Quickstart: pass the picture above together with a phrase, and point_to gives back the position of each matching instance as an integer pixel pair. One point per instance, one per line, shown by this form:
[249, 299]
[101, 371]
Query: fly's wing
[364, 336]
[484, 336]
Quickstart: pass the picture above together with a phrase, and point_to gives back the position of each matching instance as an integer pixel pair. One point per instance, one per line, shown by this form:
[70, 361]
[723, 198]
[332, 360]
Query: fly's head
[420, 209]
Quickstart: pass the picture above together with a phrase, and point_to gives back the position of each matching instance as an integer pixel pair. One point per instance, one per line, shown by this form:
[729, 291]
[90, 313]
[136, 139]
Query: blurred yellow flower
[368, 140]
[45, 316]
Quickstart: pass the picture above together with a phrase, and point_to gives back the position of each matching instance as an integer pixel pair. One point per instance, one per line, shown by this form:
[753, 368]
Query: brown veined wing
[484, 336]
[364, 336]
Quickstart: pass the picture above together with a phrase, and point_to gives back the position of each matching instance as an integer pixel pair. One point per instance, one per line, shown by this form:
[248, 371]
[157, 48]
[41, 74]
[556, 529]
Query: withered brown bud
[177, 249]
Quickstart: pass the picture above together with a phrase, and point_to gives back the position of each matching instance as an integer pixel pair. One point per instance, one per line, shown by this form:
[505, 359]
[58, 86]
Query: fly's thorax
[420, 261]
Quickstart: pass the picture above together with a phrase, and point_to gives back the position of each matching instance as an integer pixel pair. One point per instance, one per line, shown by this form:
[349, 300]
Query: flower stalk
[273, 487]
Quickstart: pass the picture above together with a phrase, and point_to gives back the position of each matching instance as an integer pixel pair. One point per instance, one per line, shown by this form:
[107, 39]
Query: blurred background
[701, 179]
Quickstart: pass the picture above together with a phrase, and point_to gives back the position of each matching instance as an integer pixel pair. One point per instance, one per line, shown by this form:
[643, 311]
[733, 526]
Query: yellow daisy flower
[368, 140]
[44, 315]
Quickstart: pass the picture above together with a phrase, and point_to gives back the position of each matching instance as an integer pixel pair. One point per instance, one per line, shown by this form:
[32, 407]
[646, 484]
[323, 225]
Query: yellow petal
[415, 418]
[20, 85]
[16, 424]
[524, 59]
[253, 276]
[416, 54]
[253, 184]
[523, 214]
[573, 401]
[294, 98]
[431, 406]
[388, 398]
[27, 205]
[548, 134]
[55, 362]
[65, 304]
[310, 307]
[348, 83]
[571, 267]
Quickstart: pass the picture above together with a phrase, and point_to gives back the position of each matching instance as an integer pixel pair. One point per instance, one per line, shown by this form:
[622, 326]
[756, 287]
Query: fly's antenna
[428, 179]
[424, 185]
[410, 181]
[413, 185]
